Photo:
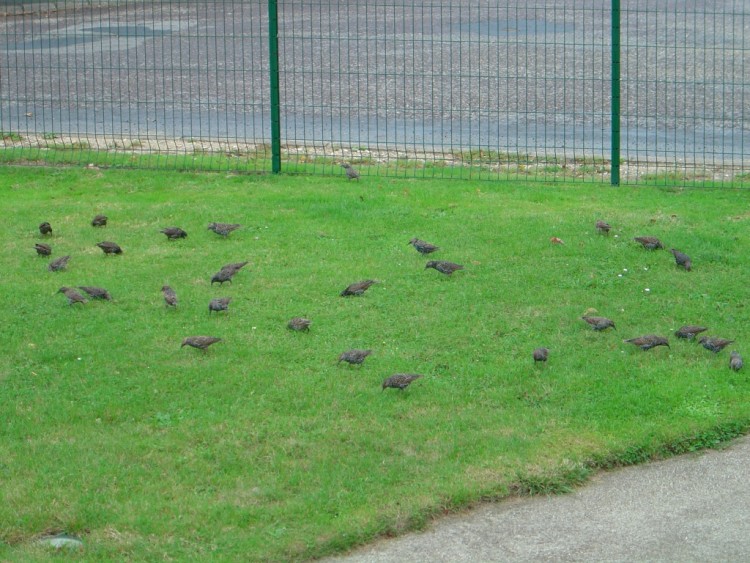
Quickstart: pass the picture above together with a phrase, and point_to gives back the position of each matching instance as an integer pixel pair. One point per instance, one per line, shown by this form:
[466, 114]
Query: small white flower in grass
[624, 269]
[617, 236]
[619, 275]
[645, 268]
[254, 328]
[647, 290]
[79, 359]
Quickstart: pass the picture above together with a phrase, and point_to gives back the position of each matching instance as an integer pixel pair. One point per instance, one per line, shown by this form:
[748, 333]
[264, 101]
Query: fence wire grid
[436, 89]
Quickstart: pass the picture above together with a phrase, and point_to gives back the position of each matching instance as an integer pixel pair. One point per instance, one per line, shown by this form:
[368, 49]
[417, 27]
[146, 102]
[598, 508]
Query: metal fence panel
[459, 88]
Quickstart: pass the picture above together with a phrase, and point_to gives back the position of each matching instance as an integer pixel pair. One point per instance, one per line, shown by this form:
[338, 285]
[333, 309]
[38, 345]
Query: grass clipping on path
[263, 447]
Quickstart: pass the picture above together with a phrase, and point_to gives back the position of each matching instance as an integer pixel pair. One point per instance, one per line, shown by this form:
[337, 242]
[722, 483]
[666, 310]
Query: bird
[689, 331]
[223, 229]
[357, 288]
[649, 243]
[423, 247]
[45, 228]
[540, 355]
[444, 267]
[219, 304]
[299, 323]
[59, 264]
[682, 259]
[96, 292]
[72, 295]
[170, 297]
[109, 247]
[735, 361]
[43, 249]
[600, 323]
[714, 344]
[603, 227]
[200, 342]
[649, 341]
[234, 268]
[400, 380]
[354, 356]
[99, 221]
[351, 173]
[173, 233]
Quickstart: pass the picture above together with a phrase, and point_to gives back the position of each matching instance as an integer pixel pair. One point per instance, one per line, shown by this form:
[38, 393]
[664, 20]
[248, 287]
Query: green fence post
[273, 54]
[615, 155]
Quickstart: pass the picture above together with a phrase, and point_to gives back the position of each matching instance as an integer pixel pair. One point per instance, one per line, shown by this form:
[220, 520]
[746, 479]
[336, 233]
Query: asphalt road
[528, 78]
[689, 508]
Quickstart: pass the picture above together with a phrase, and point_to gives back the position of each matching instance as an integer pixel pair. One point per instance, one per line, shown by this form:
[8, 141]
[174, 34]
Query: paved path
[689, 508]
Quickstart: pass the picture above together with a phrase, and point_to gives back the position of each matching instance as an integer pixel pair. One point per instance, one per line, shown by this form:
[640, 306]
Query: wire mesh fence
[436, 89]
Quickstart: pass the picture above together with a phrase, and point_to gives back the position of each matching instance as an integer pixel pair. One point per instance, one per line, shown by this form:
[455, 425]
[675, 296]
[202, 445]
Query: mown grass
[263, 448]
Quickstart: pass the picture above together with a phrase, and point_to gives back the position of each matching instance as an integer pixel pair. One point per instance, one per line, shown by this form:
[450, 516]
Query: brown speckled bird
[400, 380]
[649, 341]
[443, 267]
[109, 247]
[714, 344]
[96, 292]
[599, 323]
[354, 357]
[200, 342]
[423, 247]
[689, 331]
[234, 268]
[43, 249]
[170, 297]
[357, 288]
[219, 304]
[299, 324]
[682, 259]
[173, 233]
[735, 361]
[72, 295]
[351, 173]
[99, 221]
[649, 243]
[45, 228]
[223, 229]
[59, 264]
[603, 227]
[541, 355]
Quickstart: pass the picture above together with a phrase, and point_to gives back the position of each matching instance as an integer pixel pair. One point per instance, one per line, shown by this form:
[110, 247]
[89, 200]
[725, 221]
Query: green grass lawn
[263, 447]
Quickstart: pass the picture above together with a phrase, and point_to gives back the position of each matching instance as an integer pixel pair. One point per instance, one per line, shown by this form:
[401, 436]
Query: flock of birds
[649, 341]
[225, 274]
[358, 356]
